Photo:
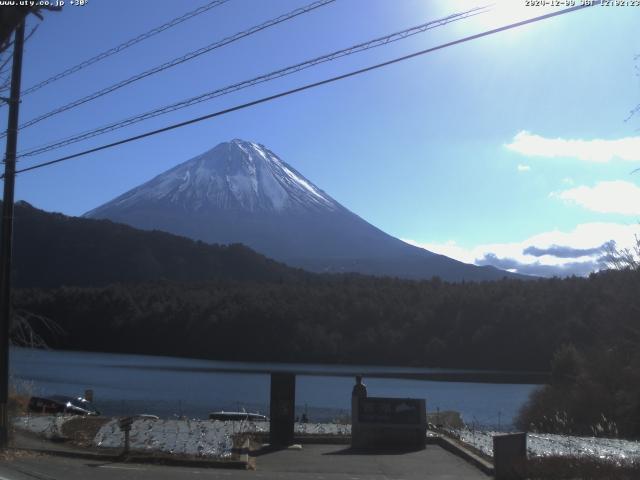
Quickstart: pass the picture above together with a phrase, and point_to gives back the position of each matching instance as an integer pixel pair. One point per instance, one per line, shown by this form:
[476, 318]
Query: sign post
[125, 425]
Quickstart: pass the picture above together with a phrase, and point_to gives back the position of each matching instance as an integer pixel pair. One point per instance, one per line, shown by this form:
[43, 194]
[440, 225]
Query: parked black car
[62, 404]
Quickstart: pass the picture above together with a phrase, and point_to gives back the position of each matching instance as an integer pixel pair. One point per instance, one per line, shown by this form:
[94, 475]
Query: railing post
[510, 456]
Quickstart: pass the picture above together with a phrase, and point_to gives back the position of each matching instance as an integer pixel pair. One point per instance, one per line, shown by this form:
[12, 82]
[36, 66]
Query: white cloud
[450, 249]
[576, 252]
[606, 197]
[595, 150]
[524, 168]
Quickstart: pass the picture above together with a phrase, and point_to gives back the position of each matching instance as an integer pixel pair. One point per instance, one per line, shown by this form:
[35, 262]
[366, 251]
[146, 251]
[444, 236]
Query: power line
[254, 81]
[125, 45]
[306, 87]
[179, 60]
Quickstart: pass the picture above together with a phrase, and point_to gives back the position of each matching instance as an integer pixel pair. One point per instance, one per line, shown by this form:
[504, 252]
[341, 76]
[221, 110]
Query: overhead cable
[304, 87]
[377, 42]
[177, 61]
[123, 46]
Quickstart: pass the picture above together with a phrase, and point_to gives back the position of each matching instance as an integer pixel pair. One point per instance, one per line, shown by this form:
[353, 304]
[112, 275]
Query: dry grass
[18, 404]
[446, 419]
[11, 455]
[18, 401]
[20, 392]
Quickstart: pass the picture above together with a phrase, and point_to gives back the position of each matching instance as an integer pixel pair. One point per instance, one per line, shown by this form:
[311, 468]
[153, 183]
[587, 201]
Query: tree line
[508, 324]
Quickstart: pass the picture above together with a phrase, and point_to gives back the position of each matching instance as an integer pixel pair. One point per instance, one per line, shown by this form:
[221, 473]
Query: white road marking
[118, 467]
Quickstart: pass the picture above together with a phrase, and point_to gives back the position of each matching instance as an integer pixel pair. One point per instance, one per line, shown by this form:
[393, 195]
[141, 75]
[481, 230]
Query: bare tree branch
[625, 258]
[23, 329]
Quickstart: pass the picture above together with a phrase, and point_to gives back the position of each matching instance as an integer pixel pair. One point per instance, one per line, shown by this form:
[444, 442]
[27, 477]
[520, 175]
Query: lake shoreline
[426, 373]
[127, 385]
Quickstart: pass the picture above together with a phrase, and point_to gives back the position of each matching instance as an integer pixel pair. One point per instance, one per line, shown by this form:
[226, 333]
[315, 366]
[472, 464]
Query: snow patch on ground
[214, 439]
[47, 426]
[206, 438]
[203, 438]
[547, 445]
[322, 429]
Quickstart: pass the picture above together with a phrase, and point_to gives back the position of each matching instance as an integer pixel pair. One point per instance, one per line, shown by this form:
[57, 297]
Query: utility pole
[7, 231]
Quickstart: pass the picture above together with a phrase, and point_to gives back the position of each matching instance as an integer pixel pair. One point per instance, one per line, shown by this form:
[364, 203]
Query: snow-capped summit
[241, 192]
[235, 175]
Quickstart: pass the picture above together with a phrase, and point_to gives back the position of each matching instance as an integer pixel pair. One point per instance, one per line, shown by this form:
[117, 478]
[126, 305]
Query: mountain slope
[241, 192]
[51, 249]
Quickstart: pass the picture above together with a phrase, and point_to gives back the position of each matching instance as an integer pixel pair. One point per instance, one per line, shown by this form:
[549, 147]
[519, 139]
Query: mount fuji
[241, 192]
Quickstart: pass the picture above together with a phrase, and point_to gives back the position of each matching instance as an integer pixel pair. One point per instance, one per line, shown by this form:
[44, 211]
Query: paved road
[313, 462]
[59, 468]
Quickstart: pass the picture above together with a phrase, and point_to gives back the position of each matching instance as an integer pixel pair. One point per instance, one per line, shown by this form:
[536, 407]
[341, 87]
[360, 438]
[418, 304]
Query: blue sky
[478, 151]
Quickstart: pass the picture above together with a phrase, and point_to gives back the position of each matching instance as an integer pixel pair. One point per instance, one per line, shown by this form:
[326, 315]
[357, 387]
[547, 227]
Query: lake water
[167, 387]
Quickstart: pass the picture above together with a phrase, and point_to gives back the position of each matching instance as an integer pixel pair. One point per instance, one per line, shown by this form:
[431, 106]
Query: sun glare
[497, 13]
